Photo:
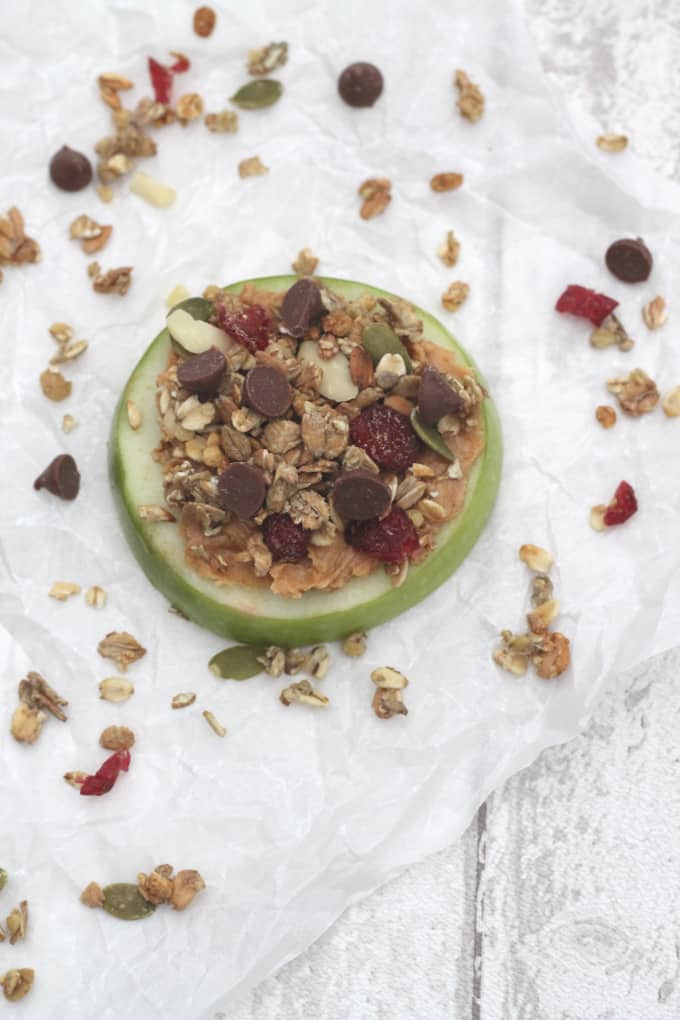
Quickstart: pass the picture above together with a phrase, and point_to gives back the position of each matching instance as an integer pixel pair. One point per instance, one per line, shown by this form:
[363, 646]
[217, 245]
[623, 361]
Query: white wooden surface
[562, 900]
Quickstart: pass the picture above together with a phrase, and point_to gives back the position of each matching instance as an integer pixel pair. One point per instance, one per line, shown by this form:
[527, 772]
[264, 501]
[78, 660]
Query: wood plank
[580, 894]
[406, 951]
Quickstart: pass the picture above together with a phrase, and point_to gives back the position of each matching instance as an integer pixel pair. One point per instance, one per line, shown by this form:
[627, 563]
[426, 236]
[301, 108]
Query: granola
[122, 648]
[294, 457]
[16, 248]
[470, 99]
[637, 393]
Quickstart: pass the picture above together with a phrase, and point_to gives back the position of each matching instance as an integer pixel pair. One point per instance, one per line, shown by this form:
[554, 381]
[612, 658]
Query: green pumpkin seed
[431, 437]
[380, 339]
[124, 900]
[197, 307]
[3, 878]
[239, 662]
[258, 94]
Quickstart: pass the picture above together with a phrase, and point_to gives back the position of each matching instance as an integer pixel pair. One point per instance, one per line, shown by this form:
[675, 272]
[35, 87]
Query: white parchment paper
[297, 813]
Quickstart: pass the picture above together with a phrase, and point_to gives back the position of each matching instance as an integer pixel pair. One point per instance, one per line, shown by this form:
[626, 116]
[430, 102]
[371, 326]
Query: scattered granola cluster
[547, 651]
[16, 248]
[134, 902]
[37, 699]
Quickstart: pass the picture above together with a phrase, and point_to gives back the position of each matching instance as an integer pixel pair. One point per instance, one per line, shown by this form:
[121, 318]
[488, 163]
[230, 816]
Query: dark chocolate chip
[266, 390]
[435, 397]
[70, 170]
[241, 489]
[301, 307]
[629, 260]
[360, 495]
[360, 84]
[61, 477]
[203, 373]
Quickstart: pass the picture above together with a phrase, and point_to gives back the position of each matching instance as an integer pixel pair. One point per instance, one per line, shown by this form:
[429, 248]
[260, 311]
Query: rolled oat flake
[266, 390]
[301, 307]
[360, 495]
[203, 373]
[242, 489]
[61, 477]
[629, 259]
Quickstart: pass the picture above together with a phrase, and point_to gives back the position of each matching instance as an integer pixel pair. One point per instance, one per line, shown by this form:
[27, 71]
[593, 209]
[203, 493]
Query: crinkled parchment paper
[297, 812]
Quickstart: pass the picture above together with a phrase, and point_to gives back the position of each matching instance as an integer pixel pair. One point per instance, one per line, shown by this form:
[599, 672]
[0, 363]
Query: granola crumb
[268, 58]
[117, 738]
[95, 597]
[446, 182]
[671, 403]
[655, 313]
[204, 21]
[114, 281]
[16, 249]
[449, 250]
[92, 895]
[27, 724]
[606, 415]
[54, 385]
[17, 983]
[355, 644]
[252, 167]
[637, 392]
[122, 648]
[470, 99]
[63, 590]
[224, 122]
[455, 295]
[304, 693]
[105, 192]
[214, 724]
[189, 107]
[306, 262]
[612, 142]
[183, 700]
[185, 886]
[376, 193]
[536, 558]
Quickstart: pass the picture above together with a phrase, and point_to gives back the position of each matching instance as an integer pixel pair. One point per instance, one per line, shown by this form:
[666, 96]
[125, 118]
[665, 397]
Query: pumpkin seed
[239, 662]
[3, 878]
[197, 307]
[431, 437]
[124, 900]
[380, 339]
[258, 94]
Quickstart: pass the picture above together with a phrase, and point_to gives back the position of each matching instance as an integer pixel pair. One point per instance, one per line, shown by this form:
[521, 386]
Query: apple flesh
[255, 615]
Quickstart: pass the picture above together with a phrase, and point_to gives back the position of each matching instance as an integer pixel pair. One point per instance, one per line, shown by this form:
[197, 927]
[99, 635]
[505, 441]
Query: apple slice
[255, 615]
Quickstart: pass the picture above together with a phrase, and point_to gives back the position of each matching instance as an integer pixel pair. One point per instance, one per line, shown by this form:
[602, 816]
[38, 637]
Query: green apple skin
[257, 616]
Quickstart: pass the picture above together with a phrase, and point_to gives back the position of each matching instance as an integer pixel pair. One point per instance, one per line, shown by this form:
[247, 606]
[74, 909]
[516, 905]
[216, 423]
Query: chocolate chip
[61, 477]
[70, 170]
[203, 373]
[266, 390]
[241, 489]
[360, 495]
[360, 84]
[629, 260]
[301, 307]
[435, 397]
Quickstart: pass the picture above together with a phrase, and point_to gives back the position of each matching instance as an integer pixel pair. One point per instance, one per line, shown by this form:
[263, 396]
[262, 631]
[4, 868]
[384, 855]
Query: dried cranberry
[386, 436]
[285, 539]
[587, 304]
[161, 81]
[391, 539]
[161, 76]
[622, 507]
[181, 64]
[249, 327]
[106, 775]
